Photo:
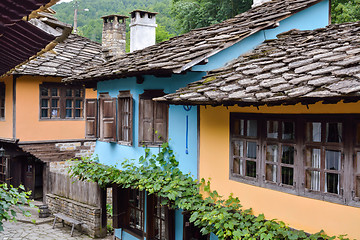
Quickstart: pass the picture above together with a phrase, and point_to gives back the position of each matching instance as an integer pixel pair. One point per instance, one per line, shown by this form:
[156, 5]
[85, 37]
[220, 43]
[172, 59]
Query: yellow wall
[29, 127]
[6, 126]
[299, 212]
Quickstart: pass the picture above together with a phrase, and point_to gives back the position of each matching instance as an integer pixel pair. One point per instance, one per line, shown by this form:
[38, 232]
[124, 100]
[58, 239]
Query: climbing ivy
[159, 174]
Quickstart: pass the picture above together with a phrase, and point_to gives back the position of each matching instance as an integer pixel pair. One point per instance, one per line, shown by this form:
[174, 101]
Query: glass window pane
[54, 103]
[357, 187]
[332, 183]
[358, 162]
[44, 103]
[54, 113]
[251, 150]
[44, 113]
[78, 93]
[69, 92]
[334, 132]
[68, 113]
[44, 91]
[238, 166]
[272, 129]
[287, 176]
[313, 158]
[239, 127]
[313, 180]
[69, 103]
[251, 169]
[251, 128]
[313, 130]
[332, 160]
[78, 113]
[288, 130]
[271, 172]
[54, 92]
[238, 147]
[272, 153]
[287, 155]
[78, 103]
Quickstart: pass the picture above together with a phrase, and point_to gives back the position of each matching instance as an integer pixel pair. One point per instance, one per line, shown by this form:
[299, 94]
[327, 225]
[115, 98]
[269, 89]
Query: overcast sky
[65, 1]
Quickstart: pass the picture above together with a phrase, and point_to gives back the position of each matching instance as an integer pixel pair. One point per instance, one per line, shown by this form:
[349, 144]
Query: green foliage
[345, 11]
[159, 174]
[90, 23]
[192, 14]
[11, 198]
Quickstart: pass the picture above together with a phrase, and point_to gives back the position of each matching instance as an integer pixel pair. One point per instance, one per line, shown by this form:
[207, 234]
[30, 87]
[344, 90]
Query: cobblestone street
[30, 231]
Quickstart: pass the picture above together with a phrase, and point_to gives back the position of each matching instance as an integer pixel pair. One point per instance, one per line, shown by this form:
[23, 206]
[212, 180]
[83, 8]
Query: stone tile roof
[300, 66]
[70, 57]
[182, 52]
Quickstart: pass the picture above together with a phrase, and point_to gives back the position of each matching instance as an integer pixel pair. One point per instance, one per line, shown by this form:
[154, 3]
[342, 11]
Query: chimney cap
[143, 11]
[115, 15]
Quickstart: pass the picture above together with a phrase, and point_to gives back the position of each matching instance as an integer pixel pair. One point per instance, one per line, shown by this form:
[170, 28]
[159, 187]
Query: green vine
[159, 174]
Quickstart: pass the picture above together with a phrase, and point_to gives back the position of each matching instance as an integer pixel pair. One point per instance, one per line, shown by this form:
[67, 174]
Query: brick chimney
[259, 2]
[142, 29]
[114, 36]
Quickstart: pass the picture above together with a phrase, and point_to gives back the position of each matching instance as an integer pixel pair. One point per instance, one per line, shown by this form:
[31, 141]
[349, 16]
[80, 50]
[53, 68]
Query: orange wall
[29, 127]
[299, 212]
[6, 126]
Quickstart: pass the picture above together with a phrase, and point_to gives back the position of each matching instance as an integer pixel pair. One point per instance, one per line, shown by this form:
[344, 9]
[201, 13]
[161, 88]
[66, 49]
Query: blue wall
[316, 16]
[313, 17]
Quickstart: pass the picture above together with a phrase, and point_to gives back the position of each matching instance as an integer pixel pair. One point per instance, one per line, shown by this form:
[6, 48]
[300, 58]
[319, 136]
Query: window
[3, 169]
[107, 118]
[161, 220]
[316, 156]
[61, 102]
[129, 214]
[2, 101]
[324, 156]
[245, 147]
[153, 118]
[125, 117]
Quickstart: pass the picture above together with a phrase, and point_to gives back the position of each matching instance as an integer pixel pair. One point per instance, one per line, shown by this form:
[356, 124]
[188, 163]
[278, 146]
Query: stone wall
[89, 215]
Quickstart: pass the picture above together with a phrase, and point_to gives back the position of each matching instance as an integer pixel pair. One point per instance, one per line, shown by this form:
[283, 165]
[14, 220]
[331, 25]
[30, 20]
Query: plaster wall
[316, 16]
[29, 126]
[6, 125]
[299, 212]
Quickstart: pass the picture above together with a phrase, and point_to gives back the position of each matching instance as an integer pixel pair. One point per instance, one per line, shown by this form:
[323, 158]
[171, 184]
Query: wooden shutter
[146, 124]
[91, 118]
[161, 122]
[120, 206]
[108, 119]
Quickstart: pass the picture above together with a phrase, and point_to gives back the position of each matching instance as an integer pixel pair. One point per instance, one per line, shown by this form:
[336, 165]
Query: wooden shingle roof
[181, 53]
[70, 57]
[300, 66]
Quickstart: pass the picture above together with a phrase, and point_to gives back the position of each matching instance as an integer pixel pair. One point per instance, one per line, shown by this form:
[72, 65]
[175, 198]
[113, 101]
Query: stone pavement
[35, 228]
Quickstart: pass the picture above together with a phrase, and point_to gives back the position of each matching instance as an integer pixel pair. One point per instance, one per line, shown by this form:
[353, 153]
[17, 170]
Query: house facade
[125, 120]
[41, 118]
[284, 129]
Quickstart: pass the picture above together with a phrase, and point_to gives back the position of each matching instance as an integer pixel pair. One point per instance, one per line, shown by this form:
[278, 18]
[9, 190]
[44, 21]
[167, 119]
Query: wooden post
[103, 214]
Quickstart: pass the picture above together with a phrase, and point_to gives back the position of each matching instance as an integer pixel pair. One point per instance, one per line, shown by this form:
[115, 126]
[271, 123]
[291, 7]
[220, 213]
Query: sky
[65, 1]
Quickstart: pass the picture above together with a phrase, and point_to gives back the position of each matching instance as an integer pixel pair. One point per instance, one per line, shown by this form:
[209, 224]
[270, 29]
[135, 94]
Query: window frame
[62, 100]
[348, 148]
[125, 96]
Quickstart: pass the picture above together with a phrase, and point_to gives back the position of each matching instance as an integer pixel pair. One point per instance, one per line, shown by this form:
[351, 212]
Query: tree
[192, 14]
[345, 11]
[11, 198]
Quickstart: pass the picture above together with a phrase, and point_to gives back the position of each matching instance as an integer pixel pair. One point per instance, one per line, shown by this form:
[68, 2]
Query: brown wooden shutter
[146, 124]
[91, 118]
[120, 206]
[161, 122]
[108, 119]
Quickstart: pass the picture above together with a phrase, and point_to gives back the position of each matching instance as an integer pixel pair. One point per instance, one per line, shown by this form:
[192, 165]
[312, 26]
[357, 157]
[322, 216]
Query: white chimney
[114, 36]
[259, 2]
[142, 29]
